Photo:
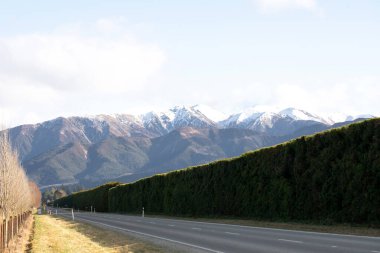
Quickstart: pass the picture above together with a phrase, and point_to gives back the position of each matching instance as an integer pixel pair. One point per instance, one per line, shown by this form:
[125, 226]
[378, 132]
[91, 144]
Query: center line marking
[333, 246]
[374, 251]
[152, 222]
[289, 241]
[196, 228]
[171, 225]
[231, 233]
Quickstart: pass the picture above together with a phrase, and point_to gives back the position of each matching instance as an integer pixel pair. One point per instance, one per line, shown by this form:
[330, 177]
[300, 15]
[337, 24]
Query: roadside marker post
[143, 212]
[56, 211]
[72, 213]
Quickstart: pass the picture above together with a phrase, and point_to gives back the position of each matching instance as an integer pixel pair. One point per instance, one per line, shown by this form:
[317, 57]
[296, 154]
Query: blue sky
[91, 57]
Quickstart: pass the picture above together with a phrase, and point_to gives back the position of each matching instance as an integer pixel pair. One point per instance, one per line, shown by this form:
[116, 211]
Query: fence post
[1, 236]
[12, 223]
[6, 233]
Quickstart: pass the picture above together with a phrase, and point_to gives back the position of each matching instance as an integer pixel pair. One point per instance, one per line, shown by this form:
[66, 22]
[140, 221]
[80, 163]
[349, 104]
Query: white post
[143, 213]
[94, 209]
[91, 209]
[72, 213]
[56, 211]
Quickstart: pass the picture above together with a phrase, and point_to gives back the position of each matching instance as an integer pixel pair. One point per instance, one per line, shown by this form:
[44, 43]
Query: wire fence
[10, 229]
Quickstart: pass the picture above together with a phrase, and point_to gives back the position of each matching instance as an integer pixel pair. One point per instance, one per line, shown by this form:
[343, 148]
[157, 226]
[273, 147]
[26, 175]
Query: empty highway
[211, 237]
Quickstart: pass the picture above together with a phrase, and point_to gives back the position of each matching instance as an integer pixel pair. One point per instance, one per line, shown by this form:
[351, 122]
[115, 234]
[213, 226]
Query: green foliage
[329, 177]
[96, 197]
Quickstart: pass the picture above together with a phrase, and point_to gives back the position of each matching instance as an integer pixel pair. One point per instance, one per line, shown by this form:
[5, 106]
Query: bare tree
[15, 194]
[35, 194]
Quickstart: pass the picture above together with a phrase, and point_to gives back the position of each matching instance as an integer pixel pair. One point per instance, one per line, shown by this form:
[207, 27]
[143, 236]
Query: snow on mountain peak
[249, 114]
[210, 112]
[258, 118]
[266, 119]
[298, 114]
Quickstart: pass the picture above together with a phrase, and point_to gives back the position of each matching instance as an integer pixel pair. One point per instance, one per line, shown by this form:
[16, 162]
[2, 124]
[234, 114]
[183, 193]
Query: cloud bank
[74, 61]
[51, 69]
[83, 69]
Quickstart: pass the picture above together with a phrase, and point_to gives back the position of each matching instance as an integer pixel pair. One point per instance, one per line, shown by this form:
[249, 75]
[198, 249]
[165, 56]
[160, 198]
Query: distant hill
[91, 150]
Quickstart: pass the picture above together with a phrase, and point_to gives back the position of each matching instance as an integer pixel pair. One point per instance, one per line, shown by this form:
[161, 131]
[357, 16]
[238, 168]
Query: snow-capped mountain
[105, 147]
[154, 124]
[277, 122]
[210, 112]
[258, 118]
[190, 117]
[297, 114]
[177, 117]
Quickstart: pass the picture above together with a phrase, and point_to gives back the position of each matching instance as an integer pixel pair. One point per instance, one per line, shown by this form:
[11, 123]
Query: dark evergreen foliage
[329, 177]
[83, 200]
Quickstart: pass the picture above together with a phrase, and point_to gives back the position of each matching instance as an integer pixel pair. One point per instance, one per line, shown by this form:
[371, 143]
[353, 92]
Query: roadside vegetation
[18, 195]
[59, 235]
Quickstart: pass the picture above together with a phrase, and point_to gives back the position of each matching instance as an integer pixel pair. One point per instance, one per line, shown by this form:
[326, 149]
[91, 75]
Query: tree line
[96, 198]
[330, 177]
[17, 193]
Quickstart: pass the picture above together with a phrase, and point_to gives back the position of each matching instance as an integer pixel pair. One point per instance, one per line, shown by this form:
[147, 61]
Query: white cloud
[351, 97]
[102, 68]
[73, 70]
[76, 61]
[280, 5]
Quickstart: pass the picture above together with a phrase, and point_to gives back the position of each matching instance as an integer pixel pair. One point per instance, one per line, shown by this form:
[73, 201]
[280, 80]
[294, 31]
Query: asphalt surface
[211, 237]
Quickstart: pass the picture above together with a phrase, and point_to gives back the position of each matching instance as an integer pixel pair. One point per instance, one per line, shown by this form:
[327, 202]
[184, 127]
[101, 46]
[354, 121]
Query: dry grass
[21, 242]
[57, 235]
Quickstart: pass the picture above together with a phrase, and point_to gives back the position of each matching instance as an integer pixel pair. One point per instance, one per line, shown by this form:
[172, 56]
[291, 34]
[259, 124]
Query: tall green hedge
[96, 197]
[329, 177]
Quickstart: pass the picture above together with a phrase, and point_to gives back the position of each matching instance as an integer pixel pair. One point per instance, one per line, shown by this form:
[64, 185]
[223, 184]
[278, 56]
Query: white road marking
[374, 251]
[196, 228]
[170, 225]
[333, 246]
[151, 222]
[231, 233]
[284, 240]
[263, 228]
[154, 236]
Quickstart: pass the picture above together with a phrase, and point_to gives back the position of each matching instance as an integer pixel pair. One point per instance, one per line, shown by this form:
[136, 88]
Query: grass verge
[58, 235]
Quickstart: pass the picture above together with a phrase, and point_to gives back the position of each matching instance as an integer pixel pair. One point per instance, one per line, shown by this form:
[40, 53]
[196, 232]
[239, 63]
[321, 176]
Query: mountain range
[125, 147]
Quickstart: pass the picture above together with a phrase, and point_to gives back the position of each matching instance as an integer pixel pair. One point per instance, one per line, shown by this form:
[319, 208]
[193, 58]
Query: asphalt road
[210, 237]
